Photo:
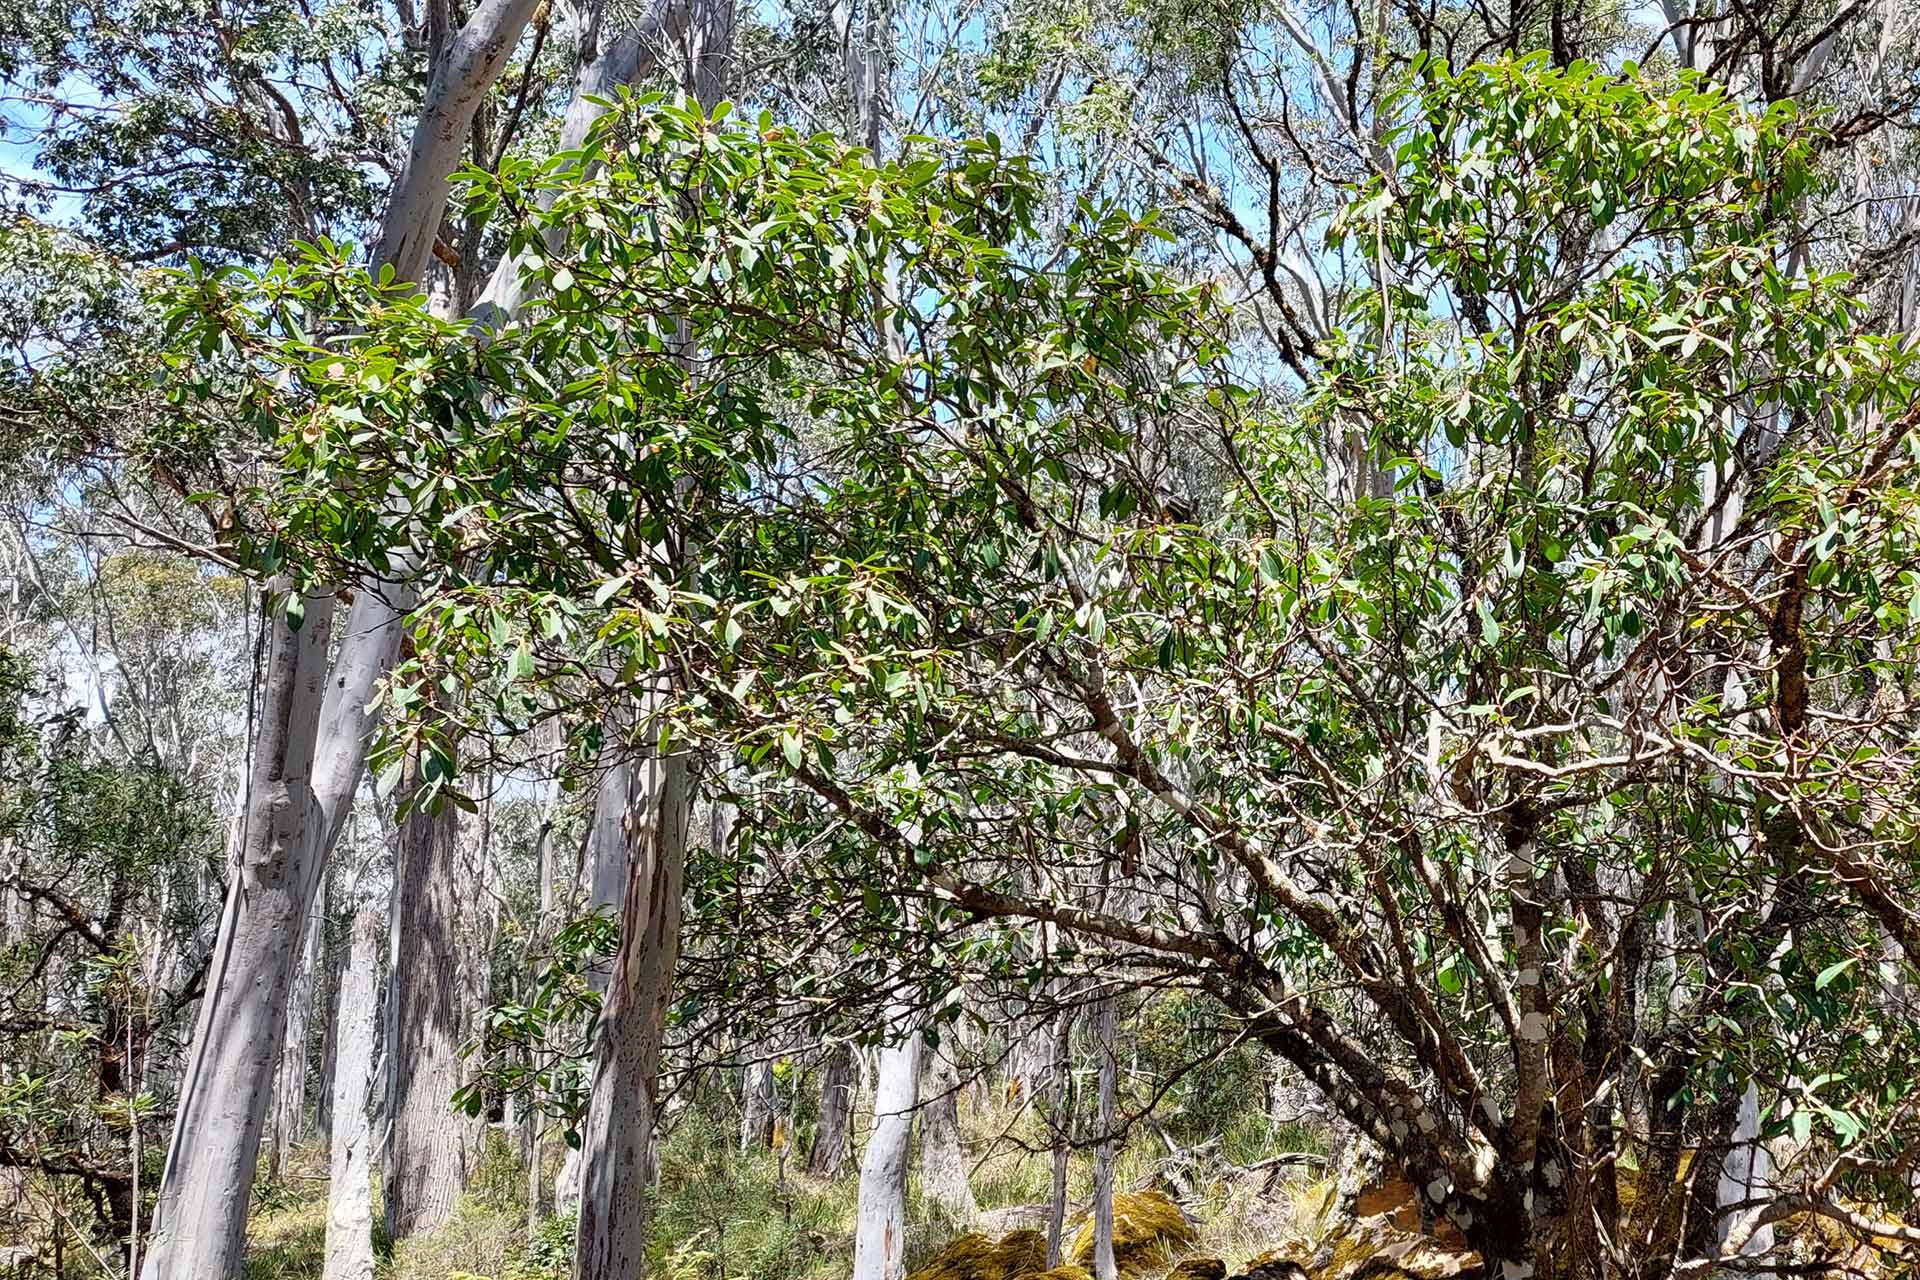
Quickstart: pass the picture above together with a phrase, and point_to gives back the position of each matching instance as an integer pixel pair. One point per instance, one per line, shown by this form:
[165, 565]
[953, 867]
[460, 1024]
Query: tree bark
[200, 1217]
[879, 1233]
[349, 1253]
[1060, 1121]
[617, 1152]
[1105, 1018]
[290, 1091]
[759, 1100]
[429, 1143]
[943, 1165]
[831, 1134]
[307, 763]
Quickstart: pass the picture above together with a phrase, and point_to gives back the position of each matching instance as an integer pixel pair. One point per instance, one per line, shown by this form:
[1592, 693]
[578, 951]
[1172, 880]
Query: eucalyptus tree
[309, 753]
[1418, 773]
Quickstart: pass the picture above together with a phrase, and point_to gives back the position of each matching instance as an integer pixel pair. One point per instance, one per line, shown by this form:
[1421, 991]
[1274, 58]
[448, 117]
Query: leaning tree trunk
[1104, 1019]
[429, 1144]
[349, 1253]
[199, 1222]
[617, 1153]
[943, 1165]
[879, 1233]
[308, 759]
[831, 1133]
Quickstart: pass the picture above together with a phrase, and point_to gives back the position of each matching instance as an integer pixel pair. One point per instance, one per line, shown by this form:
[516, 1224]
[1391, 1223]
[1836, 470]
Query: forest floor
[726, 1215]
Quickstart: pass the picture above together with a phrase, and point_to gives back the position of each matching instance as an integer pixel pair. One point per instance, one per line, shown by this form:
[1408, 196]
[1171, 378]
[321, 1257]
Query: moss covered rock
[1065, 1271]
[1016, 1255]
[1199, 1269]
[1149, 1231]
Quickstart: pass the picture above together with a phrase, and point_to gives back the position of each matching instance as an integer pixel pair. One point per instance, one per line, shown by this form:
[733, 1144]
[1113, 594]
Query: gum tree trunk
[831, 1135]
[349, 1209]
[290, 1092]
[1060, 1121]
[943, 1165]
[1104, 1020]
[617, 1153]
[429, 1143]
[880, 1224]
[308, 758]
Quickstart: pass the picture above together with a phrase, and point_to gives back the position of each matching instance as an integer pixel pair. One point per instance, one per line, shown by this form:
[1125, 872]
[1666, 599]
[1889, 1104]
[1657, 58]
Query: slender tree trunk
[605, 860]
[759, 1099]
[349, 1253]
[429, 1144]
[831, 1134]
[327, 996]
[880, 1222]
[1060, 1121]
[943, 1165]
[200, 1217]
[290, 1105]
[617, 1152]
[1105, 1018]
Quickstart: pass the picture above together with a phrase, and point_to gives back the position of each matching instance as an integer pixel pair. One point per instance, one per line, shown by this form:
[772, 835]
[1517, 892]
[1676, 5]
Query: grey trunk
[1105, 1018]
[290, 1100]
[759, 1099]
[1060, 1122]
[943, 1164]
[429, 1144]
[616, 1152]
[349, 1253]
[307, 762]
[831, 1135]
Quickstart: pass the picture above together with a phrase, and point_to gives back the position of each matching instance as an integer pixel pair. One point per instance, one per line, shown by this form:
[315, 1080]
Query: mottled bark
[617, 1151]
[943, 1164]
[290, 1090]
[1060, 1121]
[1105, 1018]
[349, 1254]
[307, 763]
[759, 1100]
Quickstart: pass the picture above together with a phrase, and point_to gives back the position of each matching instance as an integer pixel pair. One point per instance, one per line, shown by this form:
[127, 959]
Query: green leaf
[1832, 971]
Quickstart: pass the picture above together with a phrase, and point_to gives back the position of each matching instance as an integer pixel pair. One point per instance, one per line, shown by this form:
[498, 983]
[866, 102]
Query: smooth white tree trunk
[880, 1222]
[200, 1217]
[1060, 1121]
[1747, 1174]
[290, 1091]
[759, 1099]
[307, 763]
[349, 1254]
